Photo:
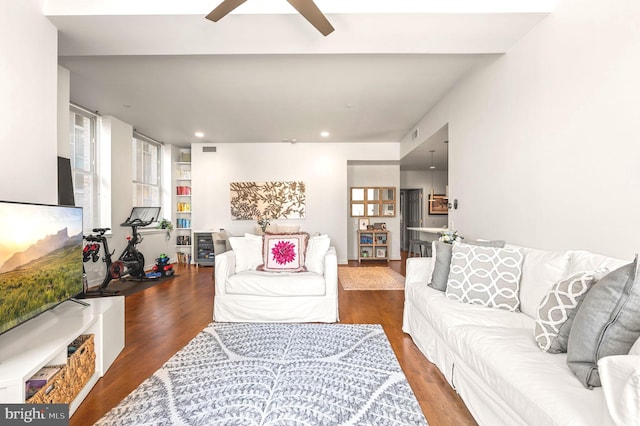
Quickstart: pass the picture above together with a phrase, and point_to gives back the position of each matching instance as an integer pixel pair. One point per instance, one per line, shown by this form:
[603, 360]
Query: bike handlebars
[136, 222]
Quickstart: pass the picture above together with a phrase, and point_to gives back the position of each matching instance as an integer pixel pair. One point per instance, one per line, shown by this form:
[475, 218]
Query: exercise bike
[130, 263]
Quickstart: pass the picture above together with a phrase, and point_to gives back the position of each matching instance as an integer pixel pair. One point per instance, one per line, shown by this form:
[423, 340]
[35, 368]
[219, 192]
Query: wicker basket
[82, 363]
[69, 381]
[46, 393]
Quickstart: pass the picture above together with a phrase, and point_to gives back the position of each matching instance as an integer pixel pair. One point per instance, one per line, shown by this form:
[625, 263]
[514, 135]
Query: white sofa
[258, 296]
[490, 356]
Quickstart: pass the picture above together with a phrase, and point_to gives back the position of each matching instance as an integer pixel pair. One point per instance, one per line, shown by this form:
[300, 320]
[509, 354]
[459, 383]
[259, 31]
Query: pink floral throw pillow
[284, 252]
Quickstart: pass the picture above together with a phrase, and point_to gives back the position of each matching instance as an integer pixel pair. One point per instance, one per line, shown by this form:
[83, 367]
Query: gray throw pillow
[487, 276]
[442, 264]
[441, 267]
[558, 309]
[607, 323]
[484, 243]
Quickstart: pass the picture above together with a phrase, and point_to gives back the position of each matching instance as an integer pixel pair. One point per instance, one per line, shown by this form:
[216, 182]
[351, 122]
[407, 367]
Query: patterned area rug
[276, 374]
[370, 278]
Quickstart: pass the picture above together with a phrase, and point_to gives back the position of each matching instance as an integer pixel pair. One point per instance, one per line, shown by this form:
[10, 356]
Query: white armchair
[258, 296]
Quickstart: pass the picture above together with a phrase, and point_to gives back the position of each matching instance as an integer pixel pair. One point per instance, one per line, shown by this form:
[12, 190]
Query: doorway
[411, 213]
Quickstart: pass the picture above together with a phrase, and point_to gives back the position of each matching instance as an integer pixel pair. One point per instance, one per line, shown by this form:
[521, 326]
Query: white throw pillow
[581, 260]
[541, 269]
[620, 376]
[248, 252]
[316, 251]
[272, 227]
[486, 276]
[288, 229]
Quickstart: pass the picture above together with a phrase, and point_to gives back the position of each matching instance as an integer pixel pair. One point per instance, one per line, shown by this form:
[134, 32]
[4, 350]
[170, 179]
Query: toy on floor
[163, 267]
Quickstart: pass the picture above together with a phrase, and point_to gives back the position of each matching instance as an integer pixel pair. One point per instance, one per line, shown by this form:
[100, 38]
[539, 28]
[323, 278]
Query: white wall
[62, 108]
[422, 180]
[375, 175]
[28, 114]
[119, 137]
[543, 142]
[321, 166]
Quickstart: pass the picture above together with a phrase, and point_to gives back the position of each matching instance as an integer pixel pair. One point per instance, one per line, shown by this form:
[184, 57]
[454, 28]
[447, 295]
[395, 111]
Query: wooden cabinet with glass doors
[378, 201]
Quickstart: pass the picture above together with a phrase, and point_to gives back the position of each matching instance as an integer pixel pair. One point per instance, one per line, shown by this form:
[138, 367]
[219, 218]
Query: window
[82, 131]
[146, 172]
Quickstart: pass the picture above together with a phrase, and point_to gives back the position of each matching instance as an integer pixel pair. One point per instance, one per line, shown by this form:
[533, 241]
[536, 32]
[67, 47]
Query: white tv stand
[43, 341]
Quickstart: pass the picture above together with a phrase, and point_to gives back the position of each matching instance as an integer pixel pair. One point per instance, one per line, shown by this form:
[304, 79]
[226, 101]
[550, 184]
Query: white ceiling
[265, 77]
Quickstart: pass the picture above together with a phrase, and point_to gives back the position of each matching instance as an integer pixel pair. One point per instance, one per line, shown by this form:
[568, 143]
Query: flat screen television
[40, 259]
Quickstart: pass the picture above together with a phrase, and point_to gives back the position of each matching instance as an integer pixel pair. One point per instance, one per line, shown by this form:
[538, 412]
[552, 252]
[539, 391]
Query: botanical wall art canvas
[273, 200]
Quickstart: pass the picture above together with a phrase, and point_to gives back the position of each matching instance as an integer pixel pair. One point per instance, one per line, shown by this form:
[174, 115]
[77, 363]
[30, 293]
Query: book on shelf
[183, 240]
[183, 258]
[183, 190]
[39, 380]
[182, 223]
[184, 174]
[183, 207]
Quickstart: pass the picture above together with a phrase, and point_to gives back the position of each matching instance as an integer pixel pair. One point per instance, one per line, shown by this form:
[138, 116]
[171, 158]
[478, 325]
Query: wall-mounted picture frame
[363, 223]
[438, 204]
[277, 200]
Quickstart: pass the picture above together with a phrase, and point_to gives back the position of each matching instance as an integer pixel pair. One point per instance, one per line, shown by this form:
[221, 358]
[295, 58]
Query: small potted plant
[449, 237]
[263, 222]
[166, 224]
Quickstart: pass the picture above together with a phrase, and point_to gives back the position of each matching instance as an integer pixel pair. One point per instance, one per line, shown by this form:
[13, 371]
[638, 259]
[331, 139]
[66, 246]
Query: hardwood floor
[162, 319]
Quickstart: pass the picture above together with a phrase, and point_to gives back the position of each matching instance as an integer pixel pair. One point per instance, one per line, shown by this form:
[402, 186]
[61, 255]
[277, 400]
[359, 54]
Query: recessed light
[199, 135]
[324, 134]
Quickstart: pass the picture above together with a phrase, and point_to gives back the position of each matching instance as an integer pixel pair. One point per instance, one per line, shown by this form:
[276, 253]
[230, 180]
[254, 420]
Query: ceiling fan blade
[311, 13]
[223, 9]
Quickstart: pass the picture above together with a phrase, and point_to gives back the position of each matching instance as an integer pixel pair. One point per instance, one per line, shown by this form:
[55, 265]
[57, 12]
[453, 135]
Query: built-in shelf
[43, 341]
[183, 207]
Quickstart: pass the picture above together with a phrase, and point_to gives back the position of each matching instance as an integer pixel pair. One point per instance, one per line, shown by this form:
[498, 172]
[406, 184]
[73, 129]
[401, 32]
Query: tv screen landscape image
[40, 259]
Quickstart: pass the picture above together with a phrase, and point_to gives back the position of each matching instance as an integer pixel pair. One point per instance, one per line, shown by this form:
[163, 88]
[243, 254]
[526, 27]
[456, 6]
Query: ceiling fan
[306, 8]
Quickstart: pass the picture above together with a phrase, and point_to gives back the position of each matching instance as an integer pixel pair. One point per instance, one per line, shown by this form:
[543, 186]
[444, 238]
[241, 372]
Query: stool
[419, 245]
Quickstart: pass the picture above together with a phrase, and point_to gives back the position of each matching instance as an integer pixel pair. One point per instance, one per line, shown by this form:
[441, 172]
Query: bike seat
[100, 230]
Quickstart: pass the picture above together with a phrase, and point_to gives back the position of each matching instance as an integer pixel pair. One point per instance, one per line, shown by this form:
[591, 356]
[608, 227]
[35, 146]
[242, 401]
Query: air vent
[208, 149]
